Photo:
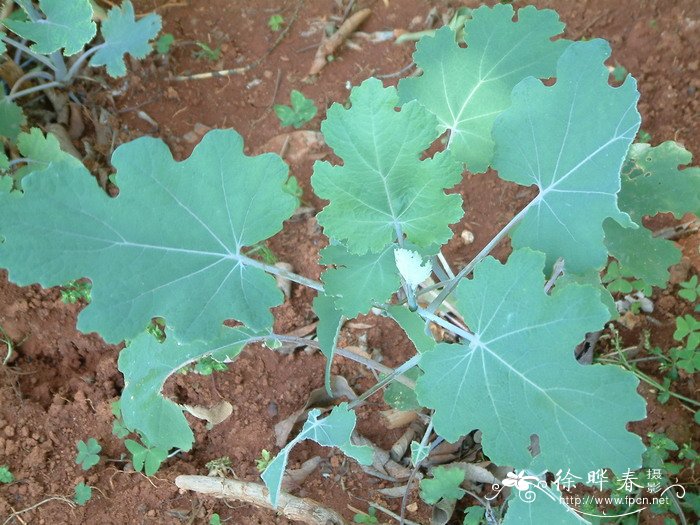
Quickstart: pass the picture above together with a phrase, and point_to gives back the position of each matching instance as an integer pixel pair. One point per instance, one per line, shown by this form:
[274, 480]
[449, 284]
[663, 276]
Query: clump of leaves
[83, 493]
[275, 22]
[219, 466]
[207, 53]
[207, 366]
[75, 291]
[88, 453]
[5, 475]
[301, 111]
[263, 461]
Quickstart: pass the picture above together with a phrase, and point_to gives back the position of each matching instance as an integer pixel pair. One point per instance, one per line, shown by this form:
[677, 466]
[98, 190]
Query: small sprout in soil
[207, 53]
[5, 475]
[75, 291]
[83, 493]
[275, 22]
[164, 43]
[219, 467]
[148, 459]
[690, 289]
[9, 343]
[264, 461]
[215, 519]
[88, 453]
[370, 517]
[301, 111]
[119, 429]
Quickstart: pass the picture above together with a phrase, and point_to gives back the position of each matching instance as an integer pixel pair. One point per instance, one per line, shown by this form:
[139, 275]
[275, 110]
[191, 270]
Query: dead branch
[301, 509]
[333, 42]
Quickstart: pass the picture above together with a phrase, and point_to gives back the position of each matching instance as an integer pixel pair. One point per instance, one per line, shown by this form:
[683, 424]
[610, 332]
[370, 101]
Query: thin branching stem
[27, 77]
[282, 273]
[80, 61]
[447, 325]
[397, 372]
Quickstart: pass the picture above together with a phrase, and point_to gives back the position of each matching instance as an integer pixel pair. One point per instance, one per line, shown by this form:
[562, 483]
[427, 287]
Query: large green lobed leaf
[68, 25]
[570, 141]
[170, 245]
[122, 35]
[383, 191]
[519, 377]
[467, 88]
[147, 364]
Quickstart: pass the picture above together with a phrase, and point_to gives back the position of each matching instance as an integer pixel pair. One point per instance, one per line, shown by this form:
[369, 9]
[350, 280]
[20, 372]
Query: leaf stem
[397, 372]
[80, 61]
[452, 283]
[26, 78]
[34, 89]
[447, 325]
[281, 272]
[36, 56]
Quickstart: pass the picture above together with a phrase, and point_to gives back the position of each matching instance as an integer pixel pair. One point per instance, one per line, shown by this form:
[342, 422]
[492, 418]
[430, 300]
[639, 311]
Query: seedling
[510, 371]
[5, 475]
[88, 453]
[690, 289]
[369, 517]
[207, 53]
[275, 22]
[164, 43]
[215, 519]
[83, 494]
[145, 457]
[263, 461]
[301, 111]
[219, 467]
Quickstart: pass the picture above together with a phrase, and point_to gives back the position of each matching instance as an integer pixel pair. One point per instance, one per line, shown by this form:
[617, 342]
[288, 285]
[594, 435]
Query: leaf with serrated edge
[544, 508]
[383, 190]
[651, 184]
[147, 364]
[333, 430]
[569, 140]
[330, 320]
[519, 377]
[67, 25]
[42, 150]
[359, 280]
[445, 484]
[122, 35]
[170, 245]
[467, 88]
[11, 118]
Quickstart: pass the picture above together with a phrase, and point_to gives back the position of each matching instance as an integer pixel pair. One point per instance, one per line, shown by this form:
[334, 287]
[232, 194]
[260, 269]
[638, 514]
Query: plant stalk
[281, 272]
[36, 56]
[398, 371]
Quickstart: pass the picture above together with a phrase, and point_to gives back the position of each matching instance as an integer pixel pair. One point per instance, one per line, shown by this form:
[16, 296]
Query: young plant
[207, 53]
[5, 475]
[509, 369]
[88, 453]
[690, 289]
[301, 111]
[263, 461]
[275, 22]
[83, 493]
[75, 291]
[59, 30]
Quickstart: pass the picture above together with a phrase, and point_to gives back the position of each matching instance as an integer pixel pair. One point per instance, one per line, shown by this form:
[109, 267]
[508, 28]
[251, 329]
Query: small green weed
[88, 453]
[83, 493]
[275, 22]
[75, 291]
[164, 43]
[265, 459]
[5, 475]
[301, 111]
[207, 53]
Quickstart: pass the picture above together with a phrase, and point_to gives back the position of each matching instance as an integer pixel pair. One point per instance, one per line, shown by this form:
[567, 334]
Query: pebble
[467, 237]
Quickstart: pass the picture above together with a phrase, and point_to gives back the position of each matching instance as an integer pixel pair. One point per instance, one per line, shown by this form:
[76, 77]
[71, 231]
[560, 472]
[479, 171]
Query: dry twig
[333, 42]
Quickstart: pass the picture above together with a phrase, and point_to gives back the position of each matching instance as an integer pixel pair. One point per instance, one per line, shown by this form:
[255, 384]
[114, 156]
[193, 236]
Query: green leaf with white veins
[330, 321]
[358, 281]
[652, 183]
[147, 364]
[383, 190]
[170, 245]
[519, 376]
[334, 430]
[569, 140]
[122, 35]
[467, 88]
[68, 25]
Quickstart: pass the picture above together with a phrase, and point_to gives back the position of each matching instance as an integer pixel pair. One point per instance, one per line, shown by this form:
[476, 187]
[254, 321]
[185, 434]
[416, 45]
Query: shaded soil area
[61, 382]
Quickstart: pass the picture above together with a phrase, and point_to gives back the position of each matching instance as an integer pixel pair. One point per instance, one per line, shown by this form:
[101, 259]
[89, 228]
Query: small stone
[191, 137]
[467, 237]
[412, 507]
[200, 129]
